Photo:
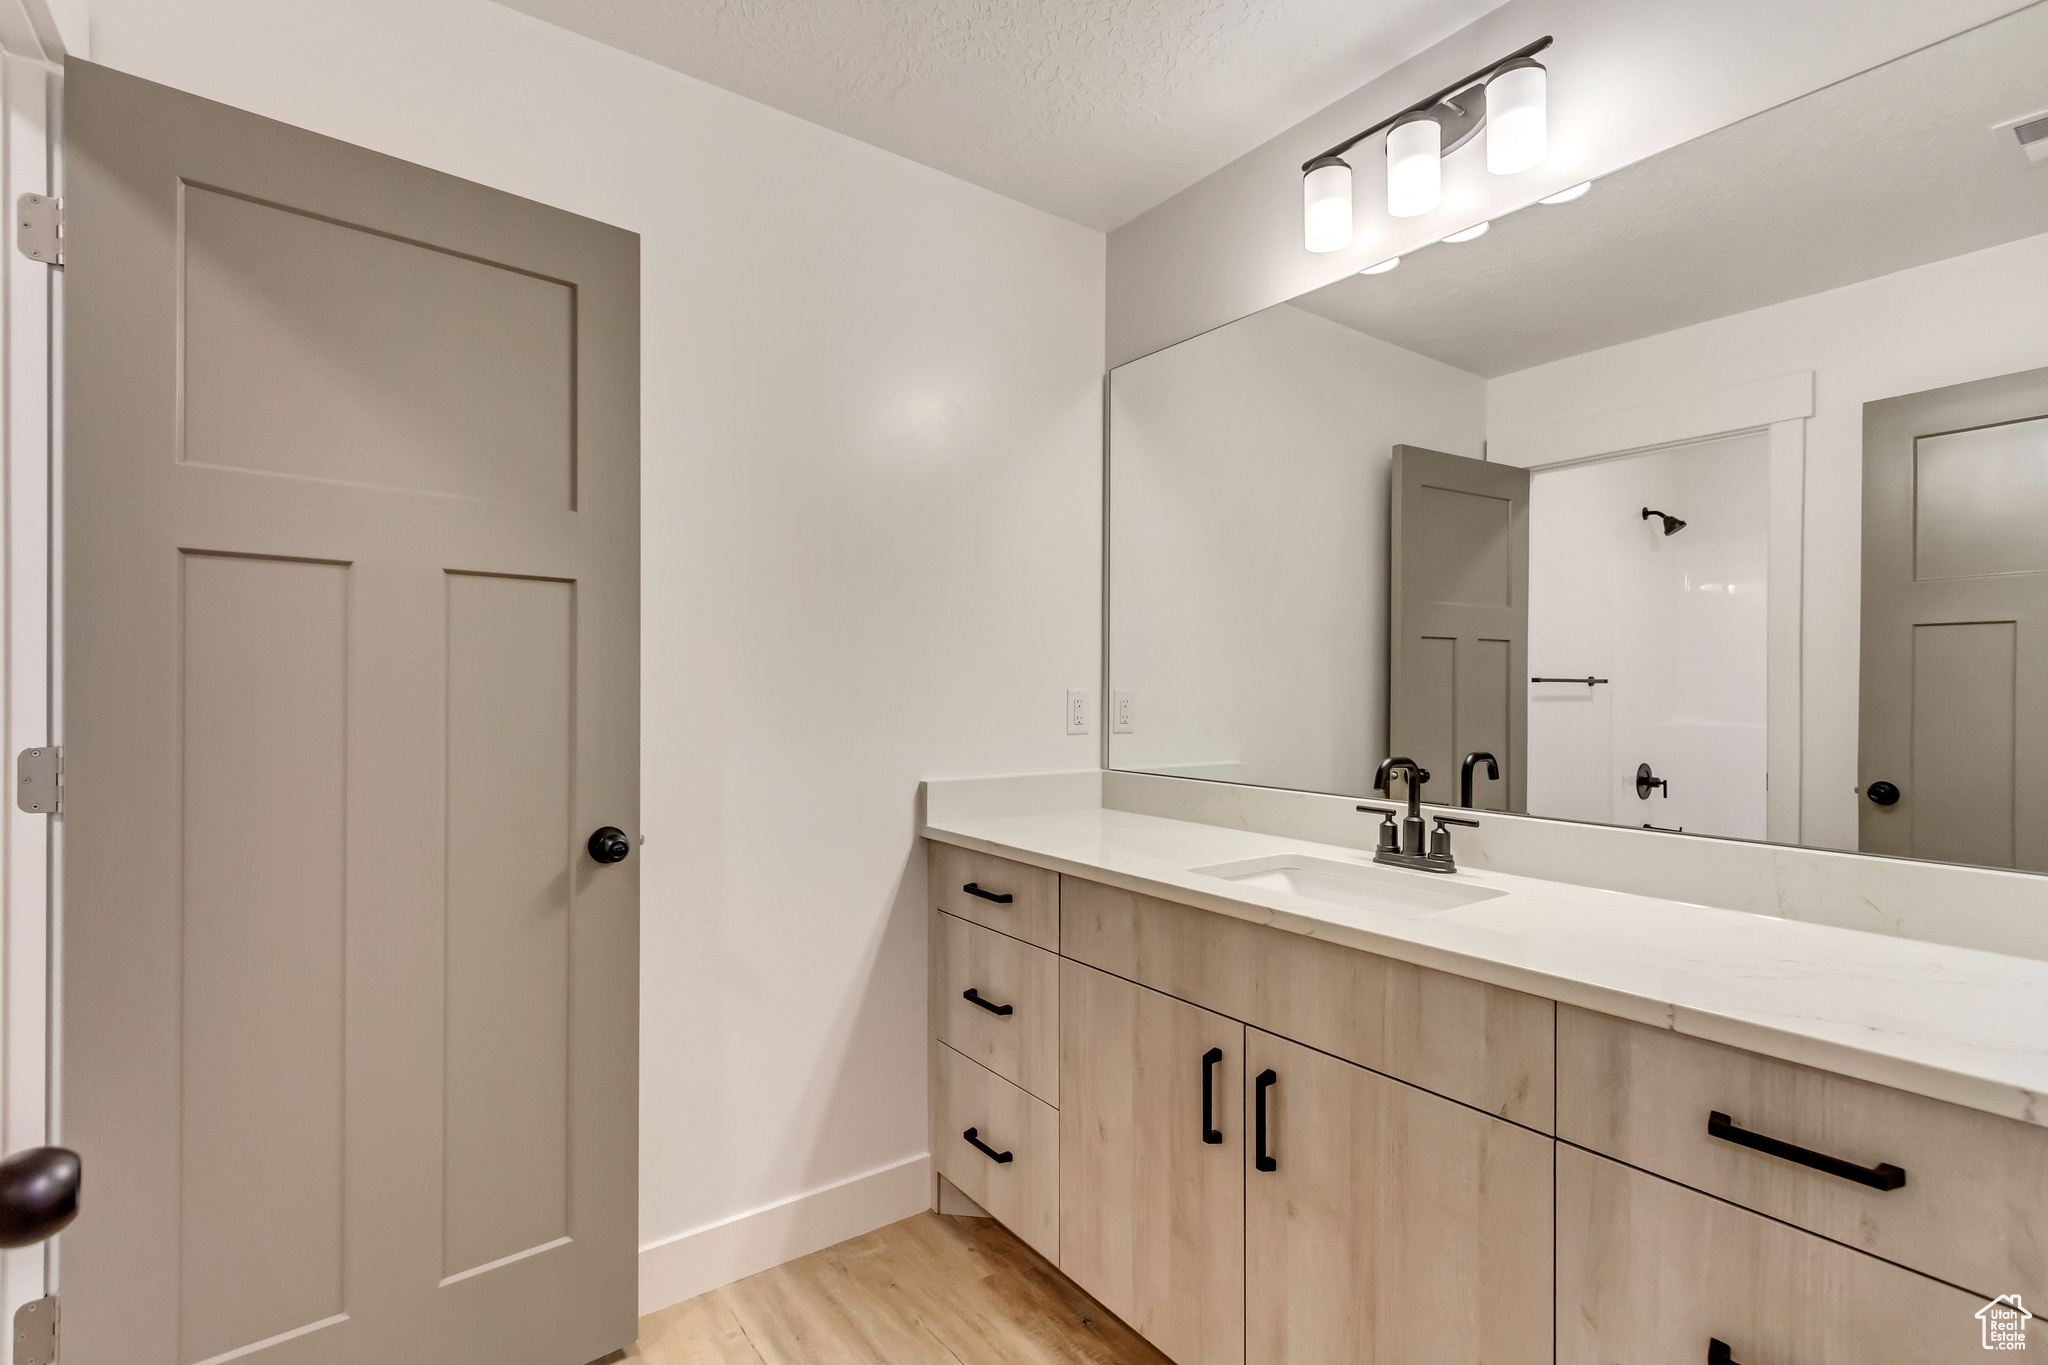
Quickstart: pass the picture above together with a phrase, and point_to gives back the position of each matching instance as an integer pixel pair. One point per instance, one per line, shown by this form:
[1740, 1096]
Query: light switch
[1077, 711]
[1122, 705]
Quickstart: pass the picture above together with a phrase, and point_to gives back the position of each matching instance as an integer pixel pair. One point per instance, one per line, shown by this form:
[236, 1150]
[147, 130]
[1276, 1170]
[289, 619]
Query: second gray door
[351, 625]
[1955, 624]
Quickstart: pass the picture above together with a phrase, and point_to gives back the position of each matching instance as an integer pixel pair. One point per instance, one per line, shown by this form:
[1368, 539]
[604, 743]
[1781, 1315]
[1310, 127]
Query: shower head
[1672, 525]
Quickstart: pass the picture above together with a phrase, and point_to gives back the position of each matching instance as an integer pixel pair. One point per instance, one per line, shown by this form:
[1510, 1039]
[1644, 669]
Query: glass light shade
[1470, 234]
[1566, 196]
[1326, 206]
[1517, 132]
[1415, 166]
[1383, 267]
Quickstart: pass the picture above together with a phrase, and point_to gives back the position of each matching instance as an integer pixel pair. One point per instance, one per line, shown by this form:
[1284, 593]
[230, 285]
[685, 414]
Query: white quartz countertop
[1952, 1023]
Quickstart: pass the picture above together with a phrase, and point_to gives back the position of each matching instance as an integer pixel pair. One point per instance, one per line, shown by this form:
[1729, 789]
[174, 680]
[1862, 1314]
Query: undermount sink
[1354, 885]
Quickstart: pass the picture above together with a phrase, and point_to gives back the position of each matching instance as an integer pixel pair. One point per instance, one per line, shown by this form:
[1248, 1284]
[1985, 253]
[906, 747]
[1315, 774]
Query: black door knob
[38, 1195]
[610, 845]
[1884, 793]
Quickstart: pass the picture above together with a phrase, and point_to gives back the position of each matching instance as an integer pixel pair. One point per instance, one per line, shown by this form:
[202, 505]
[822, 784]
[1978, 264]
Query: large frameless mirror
[1712, 499]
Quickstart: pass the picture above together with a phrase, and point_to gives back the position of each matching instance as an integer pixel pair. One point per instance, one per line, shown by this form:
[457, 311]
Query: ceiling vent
[2033, 138]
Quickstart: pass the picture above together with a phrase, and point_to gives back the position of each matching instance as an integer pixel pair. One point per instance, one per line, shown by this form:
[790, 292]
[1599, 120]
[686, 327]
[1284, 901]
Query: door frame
[1778, 408]
[31, 320]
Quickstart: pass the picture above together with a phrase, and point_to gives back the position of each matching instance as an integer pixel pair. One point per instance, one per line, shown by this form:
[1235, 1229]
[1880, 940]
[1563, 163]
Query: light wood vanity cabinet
[997, 1001]
[1479, 1044]
[1648, 1270]
[1971, 1205]
[1392, 1225]
[1152, 1144]
[1454, 1171]
[1010, 898]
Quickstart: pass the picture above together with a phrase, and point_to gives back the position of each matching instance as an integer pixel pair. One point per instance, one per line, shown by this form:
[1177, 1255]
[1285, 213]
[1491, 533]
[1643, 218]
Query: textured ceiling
[1902, 165]
[1094, 110]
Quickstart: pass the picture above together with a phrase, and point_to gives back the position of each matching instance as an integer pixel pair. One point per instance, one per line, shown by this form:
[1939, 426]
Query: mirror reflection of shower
[1677, 623]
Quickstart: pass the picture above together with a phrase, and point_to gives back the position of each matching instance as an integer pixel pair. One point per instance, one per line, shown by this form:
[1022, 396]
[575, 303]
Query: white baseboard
[695, 1262]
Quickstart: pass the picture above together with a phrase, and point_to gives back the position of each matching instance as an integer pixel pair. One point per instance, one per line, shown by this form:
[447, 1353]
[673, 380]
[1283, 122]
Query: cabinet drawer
[1011, 898]
[1651, 1271]
[1015, 1031]
[1022, 1193]
[1974, 1206]
[1482, 1045]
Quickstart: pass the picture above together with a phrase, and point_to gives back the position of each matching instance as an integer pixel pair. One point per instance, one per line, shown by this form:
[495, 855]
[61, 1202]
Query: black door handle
[1210, 1133]
[610, 845]
[1884, 793]
[973, 997]
[1267, 1080]
[1883, 1176]
[1000, 898]
[1719, 1352]
[1000, 1158]
[38, 1194]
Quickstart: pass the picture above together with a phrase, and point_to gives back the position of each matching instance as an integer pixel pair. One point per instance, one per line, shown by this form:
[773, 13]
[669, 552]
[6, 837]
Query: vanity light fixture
[1506, 98]
[1566, 196]
[1326, 204]
[1383, 267]
[1470, 234]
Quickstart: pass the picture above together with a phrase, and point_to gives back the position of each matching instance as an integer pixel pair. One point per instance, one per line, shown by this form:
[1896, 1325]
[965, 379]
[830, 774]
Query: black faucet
[1465, 775]
[1383, 782]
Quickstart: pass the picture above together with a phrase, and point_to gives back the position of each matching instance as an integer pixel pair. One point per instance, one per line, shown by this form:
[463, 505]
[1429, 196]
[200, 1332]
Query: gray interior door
[1458, 622]
[351, 632]
[1955, 623]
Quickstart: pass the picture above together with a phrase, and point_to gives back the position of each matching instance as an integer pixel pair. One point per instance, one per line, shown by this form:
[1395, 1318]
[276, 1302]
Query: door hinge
[39, 228]
[39, 780]
[35, 1332]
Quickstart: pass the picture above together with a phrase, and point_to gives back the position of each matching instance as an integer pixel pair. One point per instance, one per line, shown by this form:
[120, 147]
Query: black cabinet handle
[1000, 898]
[973, 997]
[1210, 1133]
[1000, 1158]
[1267, 1080]
[1884, 793]
[1719, 1352]
[1883, 1176]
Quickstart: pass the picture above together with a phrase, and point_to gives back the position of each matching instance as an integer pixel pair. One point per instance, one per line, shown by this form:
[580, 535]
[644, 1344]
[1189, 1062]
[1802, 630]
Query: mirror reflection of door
[1458, 623]
[1955, 602]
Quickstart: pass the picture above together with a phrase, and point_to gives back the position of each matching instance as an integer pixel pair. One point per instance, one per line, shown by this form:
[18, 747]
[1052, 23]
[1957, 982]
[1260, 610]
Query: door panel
[1151, 1214]
[1955, 623]
[1395, 1225]
[264, 732]
[351, 622]
[1457, 657]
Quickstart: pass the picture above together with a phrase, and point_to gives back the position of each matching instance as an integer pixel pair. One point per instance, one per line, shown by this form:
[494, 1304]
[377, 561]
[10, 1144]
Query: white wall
[1628, 78]
[1248, 544]
[1676, 624]
[1947, 323]
[871, 518]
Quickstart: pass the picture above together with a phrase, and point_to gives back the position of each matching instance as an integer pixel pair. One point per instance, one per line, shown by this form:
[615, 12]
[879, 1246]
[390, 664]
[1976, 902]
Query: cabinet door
[1393, 1226]
[1151, 1208]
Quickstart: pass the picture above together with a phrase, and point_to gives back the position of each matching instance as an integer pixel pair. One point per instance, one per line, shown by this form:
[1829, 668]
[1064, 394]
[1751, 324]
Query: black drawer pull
[1267, 1080]
[1210, 1133]
[1719, 1352]
[1000, 1158]
[1000, 898]
[973, 997]
[1883, 1176]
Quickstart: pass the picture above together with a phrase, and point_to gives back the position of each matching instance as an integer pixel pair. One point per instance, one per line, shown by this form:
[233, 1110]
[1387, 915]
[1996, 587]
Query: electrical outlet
[1122, 704]
[1077, 711]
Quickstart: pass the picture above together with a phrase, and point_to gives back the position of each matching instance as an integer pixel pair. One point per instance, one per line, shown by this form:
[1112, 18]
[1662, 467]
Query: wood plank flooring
[929, 1290]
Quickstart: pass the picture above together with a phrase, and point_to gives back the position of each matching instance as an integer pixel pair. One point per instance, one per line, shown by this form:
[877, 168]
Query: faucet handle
[1440, 838]
[1390, 833]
